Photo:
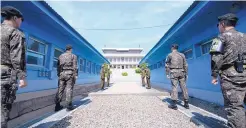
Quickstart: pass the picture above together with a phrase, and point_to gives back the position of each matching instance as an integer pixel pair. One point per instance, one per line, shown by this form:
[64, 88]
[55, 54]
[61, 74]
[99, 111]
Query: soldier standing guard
[147, 73]
[67, 73]
[102, 72]
[143, 76]
[13, 63]
[177, 71]
[228, 54]
[108, 75]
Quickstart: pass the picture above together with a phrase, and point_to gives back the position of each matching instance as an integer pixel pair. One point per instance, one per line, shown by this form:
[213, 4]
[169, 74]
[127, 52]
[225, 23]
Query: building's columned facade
[123, 58]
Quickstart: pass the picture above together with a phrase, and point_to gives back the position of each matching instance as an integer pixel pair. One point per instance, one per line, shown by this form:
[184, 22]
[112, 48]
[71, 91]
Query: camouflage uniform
[233, 83]
[102, 72]
[143, 77]
[108, 76]
[66, 71]
[177, 67]
[147, 74]
[13, 65]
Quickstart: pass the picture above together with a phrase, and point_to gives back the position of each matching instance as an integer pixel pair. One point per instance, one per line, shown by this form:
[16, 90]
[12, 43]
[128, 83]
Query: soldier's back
[177, 60]
[7, 32]
[234, 44]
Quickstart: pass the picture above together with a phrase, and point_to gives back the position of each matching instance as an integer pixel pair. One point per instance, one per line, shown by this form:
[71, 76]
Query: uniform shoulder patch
[216, 46]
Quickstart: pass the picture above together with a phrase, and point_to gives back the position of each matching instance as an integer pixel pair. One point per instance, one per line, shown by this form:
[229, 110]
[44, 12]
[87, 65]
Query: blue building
[193, 31]
[47, 34]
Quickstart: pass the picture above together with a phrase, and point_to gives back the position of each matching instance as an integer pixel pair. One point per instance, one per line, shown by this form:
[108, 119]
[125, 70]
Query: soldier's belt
[5, 66]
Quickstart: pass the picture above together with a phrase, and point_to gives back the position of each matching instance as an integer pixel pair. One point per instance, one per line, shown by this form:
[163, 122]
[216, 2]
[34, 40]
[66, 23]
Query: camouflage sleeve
[167, 63]
[185, 64]
[216, 57]
[58, 67]
[75, 65]
[18, 53]
[216, 63]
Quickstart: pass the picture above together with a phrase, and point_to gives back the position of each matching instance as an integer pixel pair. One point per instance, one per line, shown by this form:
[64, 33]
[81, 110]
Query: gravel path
[126, 111]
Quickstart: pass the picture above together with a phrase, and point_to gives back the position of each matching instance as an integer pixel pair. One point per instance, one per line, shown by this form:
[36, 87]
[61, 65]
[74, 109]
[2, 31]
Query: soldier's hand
[23, 83]
[214, 81]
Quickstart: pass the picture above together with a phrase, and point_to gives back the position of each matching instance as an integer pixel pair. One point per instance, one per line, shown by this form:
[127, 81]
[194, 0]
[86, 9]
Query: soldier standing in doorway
[67, 73]
[228, 54]
[177, 71]
[147, 73]
[13, 63]
[102, 73]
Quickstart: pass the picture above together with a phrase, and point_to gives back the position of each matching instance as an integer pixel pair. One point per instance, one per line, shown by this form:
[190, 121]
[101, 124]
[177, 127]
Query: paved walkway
[130, 109]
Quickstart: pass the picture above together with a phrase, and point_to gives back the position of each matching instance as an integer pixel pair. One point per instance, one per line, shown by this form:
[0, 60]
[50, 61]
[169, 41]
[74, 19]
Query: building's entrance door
[122, 67]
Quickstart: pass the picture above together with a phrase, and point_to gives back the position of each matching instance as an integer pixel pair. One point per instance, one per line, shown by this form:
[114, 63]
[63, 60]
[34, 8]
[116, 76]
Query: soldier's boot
[70, 107]
[173, 105]
[186, 104]
[58, 107]
[148, 87]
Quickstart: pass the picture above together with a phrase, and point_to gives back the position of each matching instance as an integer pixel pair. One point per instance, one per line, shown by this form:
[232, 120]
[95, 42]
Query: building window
[57, 53]
[82, 64]
[188, 54]
[130, 59]
[206, 47]
[36, 52]
[88, 66]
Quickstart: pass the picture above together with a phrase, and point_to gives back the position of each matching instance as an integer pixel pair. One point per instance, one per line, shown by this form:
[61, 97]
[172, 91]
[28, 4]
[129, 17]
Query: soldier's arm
[75, 65]
[167, 63]
[216, 52]
[58, 67]
[185, 64]
[18, 54]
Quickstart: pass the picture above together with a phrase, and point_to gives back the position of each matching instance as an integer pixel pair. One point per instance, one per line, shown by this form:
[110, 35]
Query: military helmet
[228, 16]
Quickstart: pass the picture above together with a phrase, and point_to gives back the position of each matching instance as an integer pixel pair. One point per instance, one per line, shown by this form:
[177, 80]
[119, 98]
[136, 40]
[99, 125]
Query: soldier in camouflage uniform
[13, 63]
[143, 76]
[177, 71]
[228, 54]
[67, 73]
[147, 75]
[108, 75]
[102, 72]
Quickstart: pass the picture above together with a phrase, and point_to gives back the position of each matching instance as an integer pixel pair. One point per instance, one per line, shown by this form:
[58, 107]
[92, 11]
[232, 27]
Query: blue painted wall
[198, 30]
[45, 25]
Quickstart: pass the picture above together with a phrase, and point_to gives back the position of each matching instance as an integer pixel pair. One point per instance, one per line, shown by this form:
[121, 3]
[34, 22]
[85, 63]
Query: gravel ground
[126, 111]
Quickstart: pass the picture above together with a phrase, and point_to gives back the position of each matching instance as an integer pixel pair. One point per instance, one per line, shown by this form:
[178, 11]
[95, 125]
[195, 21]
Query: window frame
[31, 51]
[188, 51]
[54, 58]
[203, 44]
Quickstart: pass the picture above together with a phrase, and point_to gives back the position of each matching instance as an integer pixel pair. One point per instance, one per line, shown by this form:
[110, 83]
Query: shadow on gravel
[64, 123]
[208, 106]
[169, 100]
[210, 121]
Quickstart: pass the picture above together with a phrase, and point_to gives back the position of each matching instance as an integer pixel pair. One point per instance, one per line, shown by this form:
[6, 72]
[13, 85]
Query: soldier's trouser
[8, 95]
[181, 82]
[234, 95]
[68, 83]
[143, 82]
[102, 82]
[148, 82]
[108, 81]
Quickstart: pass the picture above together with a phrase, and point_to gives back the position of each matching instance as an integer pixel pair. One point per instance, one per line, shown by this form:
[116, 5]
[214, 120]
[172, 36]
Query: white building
[123, 58]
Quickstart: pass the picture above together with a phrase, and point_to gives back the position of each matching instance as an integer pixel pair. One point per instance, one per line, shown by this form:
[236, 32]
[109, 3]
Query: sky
[137, 19]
